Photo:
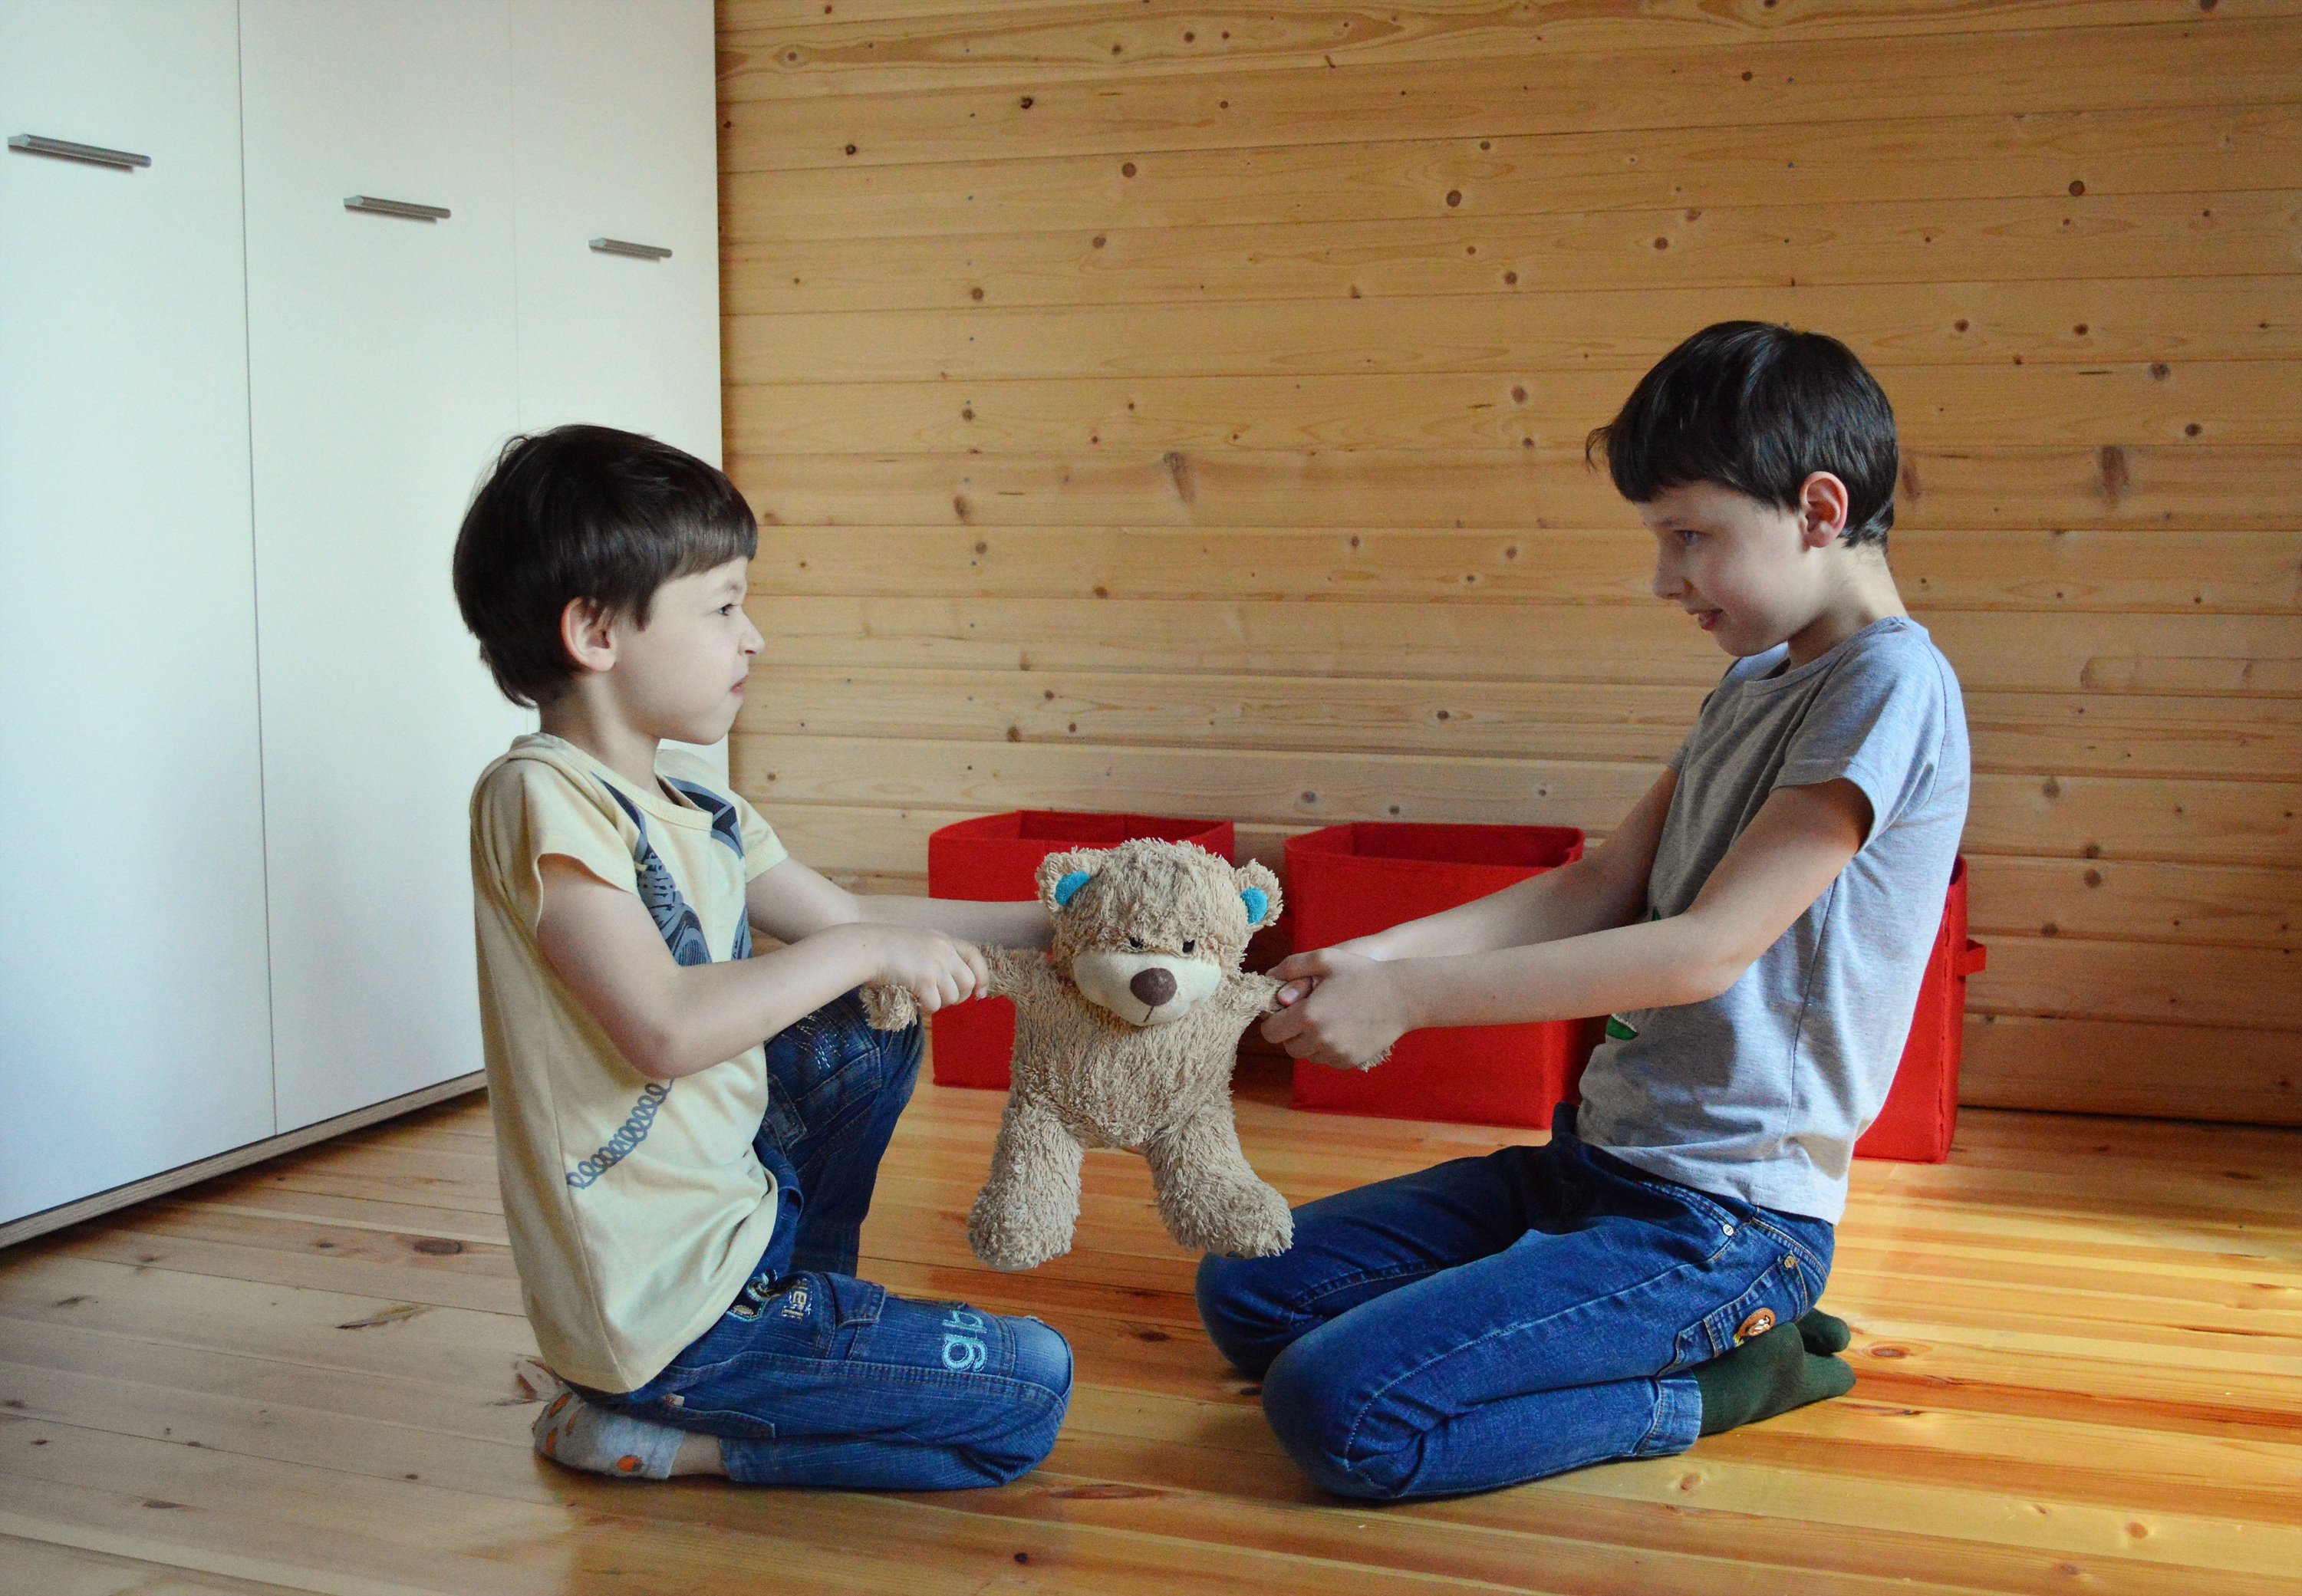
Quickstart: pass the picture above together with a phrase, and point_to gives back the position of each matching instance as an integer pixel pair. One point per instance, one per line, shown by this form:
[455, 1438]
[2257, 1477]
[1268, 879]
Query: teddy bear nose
[1154, 985]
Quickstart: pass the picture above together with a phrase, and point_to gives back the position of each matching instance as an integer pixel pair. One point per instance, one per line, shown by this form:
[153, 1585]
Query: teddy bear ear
[1258, 888]
[1062, 875]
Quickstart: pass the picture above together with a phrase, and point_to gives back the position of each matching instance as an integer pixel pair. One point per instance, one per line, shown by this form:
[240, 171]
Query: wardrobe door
[613, 123]
[134, 1035]
[382, 381]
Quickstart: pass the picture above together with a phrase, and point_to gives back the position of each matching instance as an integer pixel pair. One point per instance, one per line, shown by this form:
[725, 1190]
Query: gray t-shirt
[1760, 1092]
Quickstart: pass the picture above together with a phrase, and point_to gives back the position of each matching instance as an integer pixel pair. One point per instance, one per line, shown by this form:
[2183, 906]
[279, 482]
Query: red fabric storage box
[994, 859]
[1922, 1111]
[1349, 881]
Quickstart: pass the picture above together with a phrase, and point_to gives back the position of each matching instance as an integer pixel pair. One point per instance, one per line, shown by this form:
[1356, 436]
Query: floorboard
[2079, 1343]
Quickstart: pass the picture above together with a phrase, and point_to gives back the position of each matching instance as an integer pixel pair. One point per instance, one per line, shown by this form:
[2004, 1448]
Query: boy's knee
[1039, 1395]
[1043, 1359]
[1321, 1415]
[1239, 1318]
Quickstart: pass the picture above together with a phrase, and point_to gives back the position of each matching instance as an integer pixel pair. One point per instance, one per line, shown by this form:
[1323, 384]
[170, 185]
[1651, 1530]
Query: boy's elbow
[656, 1051]
[1713, 976]
[1710, 967]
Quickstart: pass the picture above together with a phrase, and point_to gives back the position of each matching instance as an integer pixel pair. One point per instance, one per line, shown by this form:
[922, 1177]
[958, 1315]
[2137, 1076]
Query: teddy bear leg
[1026, 1211]
[1210, 1197]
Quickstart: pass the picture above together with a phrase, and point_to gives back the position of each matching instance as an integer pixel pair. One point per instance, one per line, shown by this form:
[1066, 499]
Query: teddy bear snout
[1144, 988]
[1153, 987]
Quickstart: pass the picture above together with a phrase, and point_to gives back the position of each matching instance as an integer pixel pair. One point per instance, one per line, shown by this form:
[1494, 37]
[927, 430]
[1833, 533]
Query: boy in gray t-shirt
[1759, 923]
[1760, 1092]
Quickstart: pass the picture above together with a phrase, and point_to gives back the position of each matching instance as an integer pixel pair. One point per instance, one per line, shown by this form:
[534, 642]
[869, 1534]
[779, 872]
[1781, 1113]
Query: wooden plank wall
[1179, 407]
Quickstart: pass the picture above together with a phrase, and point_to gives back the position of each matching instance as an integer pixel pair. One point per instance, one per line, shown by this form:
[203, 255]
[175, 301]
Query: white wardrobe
[281, 278]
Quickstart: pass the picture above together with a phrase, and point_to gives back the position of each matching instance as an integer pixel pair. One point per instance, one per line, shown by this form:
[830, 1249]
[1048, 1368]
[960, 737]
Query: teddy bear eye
[1188, 945]
[1134, 943]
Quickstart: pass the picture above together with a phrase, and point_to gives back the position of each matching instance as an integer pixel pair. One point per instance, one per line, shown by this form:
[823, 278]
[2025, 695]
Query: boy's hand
[937, 970]
[1300, 983]
[1339, 1008]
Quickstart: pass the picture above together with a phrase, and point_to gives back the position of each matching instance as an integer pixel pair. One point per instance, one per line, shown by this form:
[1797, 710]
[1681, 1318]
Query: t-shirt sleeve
[529, 809]
[1878, 722]
[763, 849]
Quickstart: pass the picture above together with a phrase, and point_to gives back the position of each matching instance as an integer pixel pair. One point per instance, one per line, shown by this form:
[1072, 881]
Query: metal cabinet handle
[396, 208]
[636, 251]
[64, 150]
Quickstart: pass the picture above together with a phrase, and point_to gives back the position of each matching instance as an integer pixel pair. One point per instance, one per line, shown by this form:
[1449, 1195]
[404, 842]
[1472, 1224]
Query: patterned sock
[1824, 1333]
[576, 1432]
[1765, 1377]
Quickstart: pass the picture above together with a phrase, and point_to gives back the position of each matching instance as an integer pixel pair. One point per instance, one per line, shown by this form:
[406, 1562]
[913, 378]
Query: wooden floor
[2080, 1344]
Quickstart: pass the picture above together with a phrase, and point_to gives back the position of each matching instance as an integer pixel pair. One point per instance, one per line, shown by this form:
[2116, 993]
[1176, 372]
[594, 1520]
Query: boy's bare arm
[1784, 860]
[792, 901]
[670, 1020]
[1606, 887]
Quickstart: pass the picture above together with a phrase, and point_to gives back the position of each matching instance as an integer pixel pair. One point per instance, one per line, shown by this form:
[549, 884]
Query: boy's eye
[728, 609]
[1688, 539]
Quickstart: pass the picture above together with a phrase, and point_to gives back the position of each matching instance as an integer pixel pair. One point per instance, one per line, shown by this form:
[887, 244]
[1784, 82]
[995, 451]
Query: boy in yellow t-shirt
[684, 1199]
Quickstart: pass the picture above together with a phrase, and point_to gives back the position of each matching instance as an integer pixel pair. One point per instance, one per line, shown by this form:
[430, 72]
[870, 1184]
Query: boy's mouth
[1708, 619]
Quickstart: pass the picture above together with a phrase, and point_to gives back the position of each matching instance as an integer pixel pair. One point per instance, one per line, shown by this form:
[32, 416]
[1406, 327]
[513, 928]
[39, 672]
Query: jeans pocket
[707, 1403]
[854, 1303]
[1777, 1296]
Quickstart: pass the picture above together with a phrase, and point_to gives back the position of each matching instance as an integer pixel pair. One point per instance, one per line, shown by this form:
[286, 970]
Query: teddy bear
[1126, 1030]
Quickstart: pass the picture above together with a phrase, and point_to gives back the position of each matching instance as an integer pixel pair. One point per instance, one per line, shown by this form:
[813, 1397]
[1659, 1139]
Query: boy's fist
[935, 968]
[1338, 1008]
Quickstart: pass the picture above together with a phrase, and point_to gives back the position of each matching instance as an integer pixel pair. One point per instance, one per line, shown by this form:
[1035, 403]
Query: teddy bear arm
[1019, 973]
[1248, 994]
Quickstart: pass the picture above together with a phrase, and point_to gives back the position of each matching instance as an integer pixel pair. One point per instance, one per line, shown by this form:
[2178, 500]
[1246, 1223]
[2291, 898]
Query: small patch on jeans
[796, 1301]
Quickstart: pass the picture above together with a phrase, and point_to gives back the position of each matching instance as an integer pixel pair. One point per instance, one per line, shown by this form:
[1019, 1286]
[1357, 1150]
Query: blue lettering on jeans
[962, 1353]
[630, 1134]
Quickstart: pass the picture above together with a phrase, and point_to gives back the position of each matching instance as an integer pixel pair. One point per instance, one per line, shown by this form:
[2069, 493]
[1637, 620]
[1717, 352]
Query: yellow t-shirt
[637, 1208]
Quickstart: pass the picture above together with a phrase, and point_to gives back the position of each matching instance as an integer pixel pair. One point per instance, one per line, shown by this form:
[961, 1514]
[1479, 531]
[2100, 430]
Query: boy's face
[682, 675]
[1752, 574]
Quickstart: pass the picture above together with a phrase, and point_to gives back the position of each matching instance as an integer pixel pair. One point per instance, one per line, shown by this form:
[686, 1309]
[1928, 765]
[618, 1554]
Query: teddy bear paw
[1007, 1244]
[890, 1008]
[1240, 1222]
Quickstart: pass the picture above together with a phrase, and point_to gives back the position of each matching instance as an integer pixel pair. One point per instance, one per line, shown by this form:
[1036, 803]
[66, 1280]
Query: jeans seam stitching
[1364, 1277]
[1350, 1438]
[1807, 1254]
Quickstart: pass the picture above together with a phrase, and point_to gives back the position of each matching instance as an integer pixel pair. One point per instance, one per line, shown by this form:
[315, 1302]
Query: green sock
[1766, 1376]
[1824, 1333]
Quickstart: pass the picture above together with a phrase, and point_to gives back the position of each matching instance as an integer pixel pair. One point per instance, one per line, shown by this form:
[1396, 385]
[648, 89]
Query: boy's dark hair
[584, 512]
[1758, 409]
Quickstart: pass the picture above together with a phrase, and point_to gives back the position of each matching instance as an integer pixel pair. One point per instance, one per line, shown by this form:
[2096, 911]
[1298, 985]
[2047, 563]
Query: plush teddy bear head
[1148, 929]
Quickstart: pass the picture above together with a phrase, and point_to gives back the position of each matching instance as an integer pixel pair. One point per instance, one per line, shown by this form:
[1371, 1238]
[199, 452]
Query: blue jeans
[813, 1377]
[1496, 1320]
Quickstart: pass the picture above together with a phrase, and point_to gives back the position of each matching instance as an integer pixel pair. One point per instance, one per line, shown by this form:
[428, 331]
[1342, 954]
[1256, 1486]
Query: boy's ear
[1824, 504]
[587, 631]
[1258, 888]
[1062, 875]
